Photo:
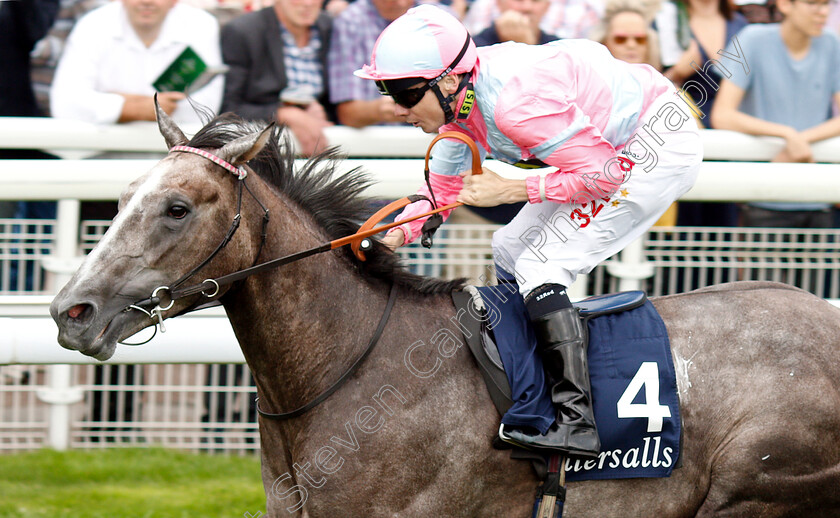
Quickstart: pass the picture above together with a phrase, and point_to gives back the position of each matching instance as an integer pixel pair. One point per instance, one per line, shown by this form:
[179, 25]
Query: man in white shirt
[116, 52]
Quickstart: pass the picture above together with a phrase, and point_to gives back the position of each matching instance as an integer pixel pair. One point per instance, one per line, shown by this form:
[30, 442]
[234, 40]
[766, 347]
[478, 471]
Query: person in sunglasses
[626, 31]
[568, 105]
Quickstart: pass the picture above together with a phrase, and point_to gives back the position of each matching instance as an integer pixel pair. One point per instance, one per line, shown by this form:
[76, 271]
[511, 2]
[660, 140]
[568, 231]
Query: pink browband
[238, 171]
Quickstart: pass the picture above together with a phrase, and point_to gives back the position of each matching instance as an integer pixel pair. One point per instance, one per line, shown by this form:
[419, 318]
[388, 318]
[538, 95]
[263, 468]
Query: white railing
[63, 135]
[394, 178]
[71, 180]
[373, 141]
[27, 334]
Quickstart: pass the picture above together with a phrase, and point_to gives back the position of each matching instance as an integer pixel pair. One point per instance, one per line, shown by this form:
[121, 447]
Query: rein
[358, 241]
[335, 386]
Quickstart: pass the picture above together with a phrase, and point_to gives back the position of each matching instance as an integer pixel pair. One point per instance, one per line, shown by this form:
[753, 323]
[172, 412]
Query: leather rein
[359, 242]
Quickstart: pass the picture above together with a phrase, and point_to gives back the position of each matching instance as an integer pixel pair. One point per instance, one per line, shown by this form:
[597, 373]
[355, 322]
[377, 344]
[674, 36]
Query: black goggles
[403, 94]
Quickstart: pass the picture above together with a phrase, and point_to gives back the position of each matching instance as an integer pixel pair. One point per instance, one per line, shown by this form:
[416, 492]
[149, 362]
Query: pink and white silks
[574, 107]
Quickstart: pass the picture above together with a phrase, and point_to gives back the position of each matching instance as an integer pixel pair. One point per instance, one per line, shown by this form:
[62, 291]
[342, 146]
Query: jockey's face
[427, 114]
[146, 15]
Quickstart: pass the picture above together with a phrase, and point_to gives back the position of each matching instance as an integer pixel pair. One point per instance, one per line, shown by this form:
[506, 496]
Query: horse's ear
[245, 148]
[172, 134]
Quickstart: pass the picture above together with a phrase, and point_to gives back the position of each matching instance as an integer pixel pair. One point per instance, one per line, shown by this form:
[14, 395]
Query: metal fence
[210, 407]
[681, 258]
[206, 407]
[23, 243]
[186, 406]
[687, 258]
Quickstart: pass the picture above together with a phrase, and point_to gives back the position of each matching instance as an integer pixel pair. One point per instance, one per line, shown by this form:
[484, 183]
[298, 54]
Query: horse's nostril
[79, 311]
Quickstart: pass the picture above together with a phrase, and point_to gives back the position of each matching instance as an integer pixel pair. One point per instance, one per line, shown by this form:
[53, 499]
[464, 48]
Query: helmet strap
[446, 101]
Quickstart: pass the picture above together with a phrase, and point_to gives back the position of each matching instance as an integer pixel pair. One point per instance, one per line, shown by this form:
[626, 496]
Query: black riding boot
[562, 342]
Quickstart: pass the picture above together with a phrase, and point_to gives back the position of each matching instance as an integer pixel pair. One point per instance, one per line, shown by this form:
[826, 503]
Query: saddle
[631, 370]
[482, 344]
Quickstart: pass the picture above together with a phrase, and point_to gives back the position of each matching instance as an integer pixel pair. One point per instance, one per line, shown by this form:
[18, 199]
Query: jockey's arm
[485, 190]
[446, 189]
[446, 166]
[489, 189]
[588, 166]
[574, 183]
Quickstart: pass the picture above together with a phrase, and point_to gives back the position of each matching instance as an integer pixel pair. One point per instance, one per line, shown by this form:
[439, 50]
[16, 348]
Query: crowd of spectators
[292, 60]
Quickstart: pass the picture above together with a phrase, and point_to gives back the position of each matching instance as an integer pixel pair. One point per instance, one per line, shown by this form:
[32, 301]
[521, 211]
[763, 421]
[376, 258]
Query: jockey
[621, 145]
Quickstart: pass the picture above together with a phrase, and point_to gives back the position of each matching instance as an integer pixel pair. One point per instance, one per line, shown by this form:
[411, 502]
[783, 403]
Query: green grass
[136, 483]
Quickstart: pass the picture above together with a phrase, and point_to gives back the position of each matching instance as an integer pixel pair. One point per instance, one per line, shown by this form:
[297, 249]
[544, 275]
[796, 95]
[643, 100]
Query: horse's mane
[337, 202]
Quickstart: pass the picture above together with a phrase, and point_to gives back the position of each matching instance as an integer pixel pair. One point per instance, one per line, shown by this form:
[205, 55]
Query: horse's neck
[296, 324]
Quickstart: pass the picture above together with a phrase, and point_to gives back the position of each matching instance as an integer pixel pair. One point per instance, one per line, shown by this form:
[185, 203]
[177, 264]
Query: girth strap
[494, 375]
[335, 386]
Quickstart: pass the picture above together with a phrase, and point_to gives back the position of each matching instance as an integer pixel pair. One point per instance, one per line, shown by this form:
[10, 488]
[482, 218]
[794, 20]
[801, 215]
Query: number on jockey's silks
[648, 377]
[586, 217]
[577, 214]
[596, 208]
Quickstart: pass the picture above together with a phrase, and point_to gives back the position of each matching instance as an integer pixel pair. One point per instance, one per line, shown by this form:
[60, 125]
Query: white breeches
[554, 242]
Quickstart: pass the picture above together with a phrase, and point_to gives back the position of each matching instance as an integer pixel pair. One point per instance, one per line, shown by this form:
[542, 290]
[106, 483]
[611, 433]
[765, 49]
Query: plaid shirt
[303, 70]
[354, 33]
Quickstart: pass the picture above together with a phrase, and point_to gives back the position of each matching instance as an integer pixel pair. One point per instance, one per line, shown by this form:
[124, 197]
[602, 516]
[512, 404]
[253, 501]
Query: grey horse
[758, 364]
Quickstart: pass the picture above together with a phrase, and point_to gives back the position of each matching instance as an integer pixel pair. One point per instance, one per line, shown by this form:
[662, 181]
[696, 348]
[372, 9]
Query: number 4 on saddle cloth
[634, 391]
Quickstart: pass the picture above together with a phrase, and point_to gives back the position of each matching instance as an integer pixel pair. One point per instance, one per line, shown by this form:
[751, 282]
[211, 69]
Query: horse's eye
[177, 211]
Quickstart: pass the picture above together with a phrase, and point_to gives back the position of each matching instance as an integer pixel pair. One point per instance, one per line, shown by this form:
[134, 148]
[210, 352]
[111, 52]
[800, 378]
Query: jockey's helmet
[424, 43]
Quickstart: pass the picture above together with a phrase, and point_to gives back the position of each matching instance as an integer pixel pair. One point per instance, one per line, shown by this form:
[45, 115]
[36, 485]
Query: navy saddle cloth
[634, 391]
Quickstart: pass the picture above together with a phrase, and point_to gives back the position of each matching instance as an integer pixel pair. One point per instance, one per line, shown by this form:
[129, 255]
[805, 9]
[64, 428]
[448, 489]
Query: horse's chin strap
[446, 101]
[392, 297]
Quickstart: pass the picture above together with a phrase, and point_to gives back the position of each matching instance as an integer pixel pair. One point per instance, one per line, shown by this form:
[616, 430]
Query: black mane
[337, 202]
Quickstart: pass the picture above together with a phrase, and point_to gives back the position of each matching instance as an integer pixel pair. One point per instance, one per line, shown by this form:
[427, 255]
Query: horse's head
[169, 220]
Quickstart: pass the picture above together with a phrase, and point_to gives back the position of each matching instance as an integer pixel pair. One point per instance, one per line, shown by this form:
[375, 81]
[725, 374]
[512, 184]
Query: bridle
[175, 292]
[359, 242]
